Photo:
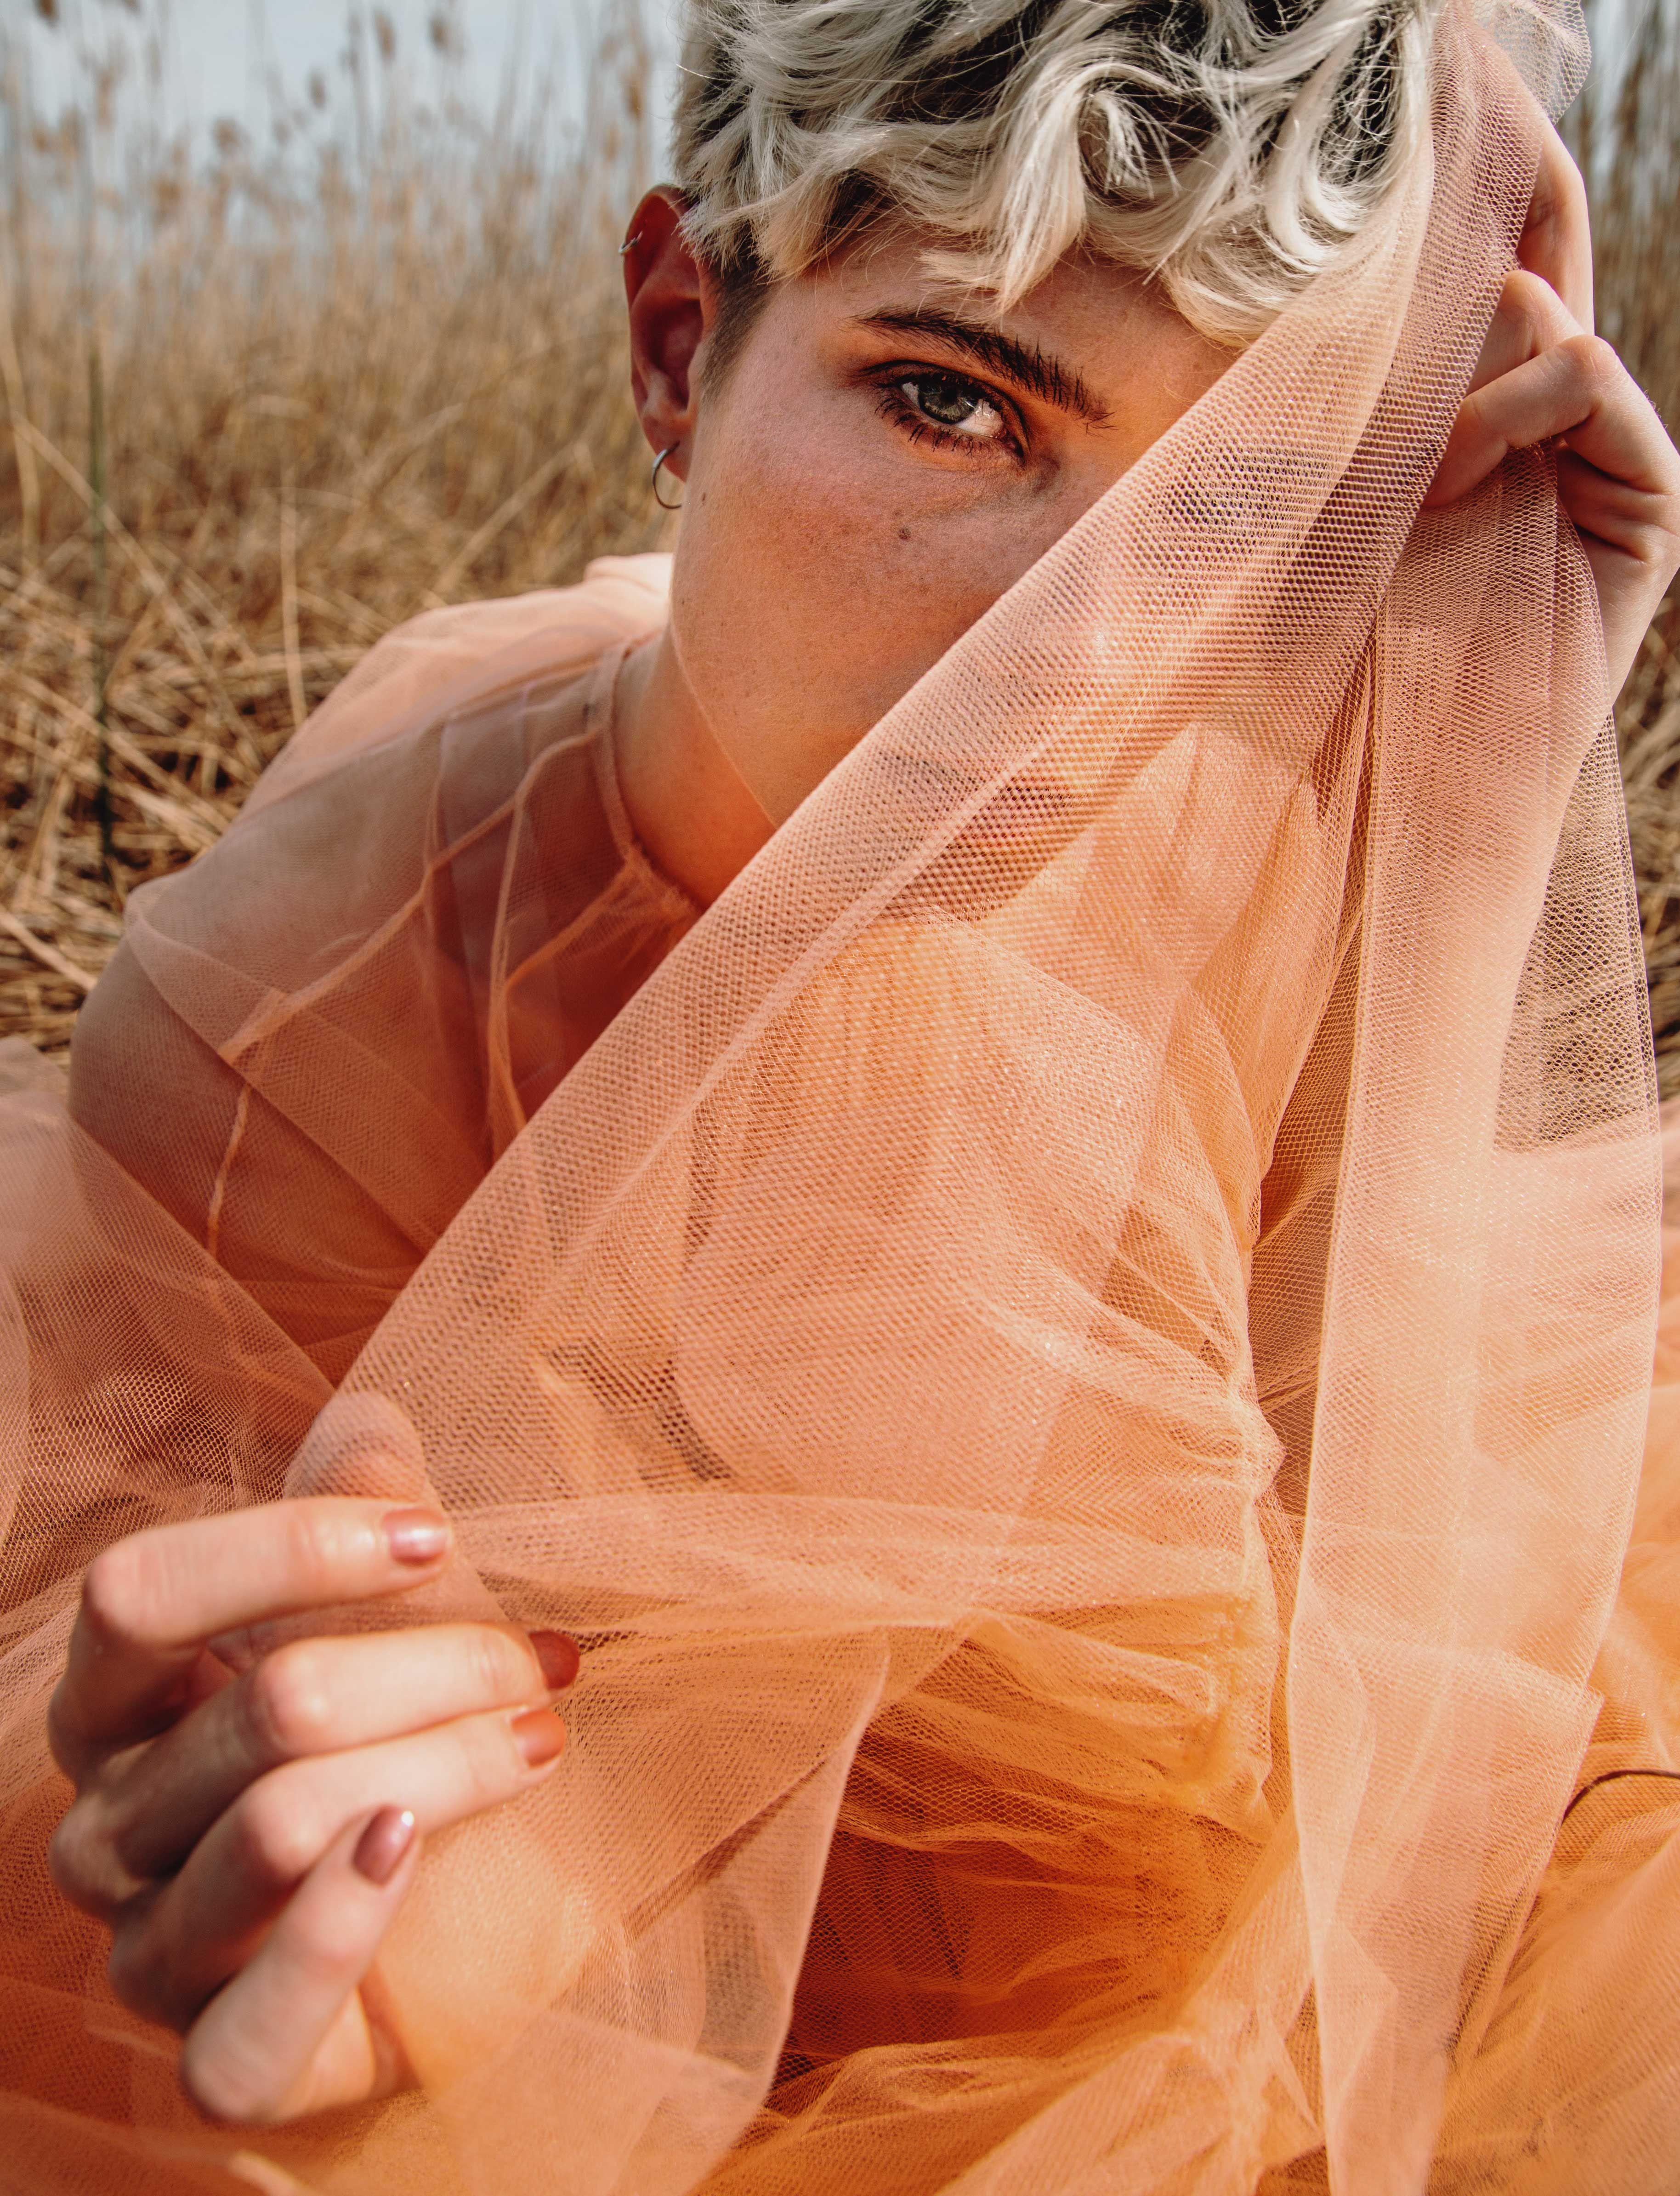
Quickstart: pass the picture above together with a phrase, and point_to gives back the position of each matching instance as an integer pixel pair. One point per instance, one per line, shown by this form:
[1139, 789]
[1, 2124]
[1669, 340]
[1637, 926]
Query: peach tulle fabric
[1079, 1361]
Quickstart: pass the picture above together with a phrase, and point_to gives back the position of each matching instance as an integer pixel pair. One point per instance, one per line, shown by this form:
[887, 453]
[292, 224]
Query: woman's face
[883, 457]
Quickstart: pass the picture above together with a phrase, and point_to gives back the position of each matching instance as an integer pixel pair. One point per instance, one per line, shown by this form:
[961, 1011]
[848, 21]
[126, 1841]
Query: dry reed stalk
[257, 411]
[382, 367]
[1626, 134]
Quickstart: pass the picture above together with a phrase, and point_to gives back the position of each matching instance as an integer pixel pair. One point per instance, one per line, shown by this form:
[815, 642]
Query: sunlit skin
[883, 458]
[837, 537]
[876, 468]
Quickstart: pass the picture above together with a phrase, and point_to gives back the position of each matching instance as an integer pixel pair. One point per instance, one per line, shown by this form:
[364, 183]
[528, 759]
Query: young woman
[1075, 1357]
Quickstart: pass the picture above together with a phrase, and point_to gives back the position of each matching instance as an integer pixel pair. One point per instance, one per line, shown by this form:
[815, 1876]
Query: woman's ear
[671, 304]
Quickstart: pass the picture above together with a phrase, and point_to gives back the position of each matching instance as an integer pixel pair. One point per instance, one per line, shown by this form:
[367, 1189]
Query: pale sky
[218, 52]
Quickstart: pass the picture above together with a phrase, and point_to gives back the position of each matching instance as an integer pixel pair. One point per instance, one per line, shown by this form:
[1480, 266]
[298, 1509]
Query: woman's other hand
[248, 1839]
[1544, 377]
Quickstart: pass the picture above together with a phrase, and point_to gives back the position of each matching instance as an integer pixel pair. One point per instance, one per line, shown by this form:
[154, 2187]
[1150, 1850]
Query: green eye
[948, 412]
[947, 401]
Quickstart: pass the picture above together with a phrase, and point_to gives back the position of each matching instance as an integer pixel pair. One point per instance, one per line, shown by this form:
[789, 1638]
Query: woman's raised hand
[248, 1839]
[1544, 377]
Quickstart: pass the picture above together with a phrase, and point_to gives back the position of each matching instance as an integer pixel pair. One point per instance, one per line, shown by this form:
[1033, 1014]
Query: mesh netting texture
[1076, 1351]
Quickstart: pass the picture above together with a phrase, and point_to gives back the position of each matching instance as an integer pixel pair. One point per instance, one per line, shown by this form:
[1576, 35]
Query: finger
[149, 1603]
[1557, 240]
[1578, 388]
[1530, 318]
[1635, 523]
[204, 1924]
[311, 1697]
[1619, 433]
[288, 2035]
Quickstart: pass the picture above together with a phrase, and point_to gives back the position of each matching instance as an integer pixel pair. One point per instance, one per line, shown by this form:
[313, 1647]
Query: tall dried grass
[1626, 134]
[259, 409]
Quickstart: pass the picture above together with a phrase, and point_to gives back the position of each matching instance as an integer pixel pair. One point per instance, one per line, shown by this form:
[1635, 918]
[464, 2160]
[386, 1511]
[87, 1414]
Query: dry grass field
[256, 410]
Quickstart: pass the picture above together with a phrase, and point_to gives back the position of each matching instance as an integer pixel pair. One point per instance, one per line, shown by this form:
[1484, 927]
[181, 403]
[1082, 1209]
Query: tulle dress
[1077, 1350]
[501, 912]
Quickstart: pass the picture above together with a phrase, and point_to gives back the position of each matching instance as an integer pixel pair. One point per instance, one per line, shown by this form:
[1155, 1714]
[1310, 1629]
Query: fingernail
[379, 1849]
[557, 1652]
[540, 1735]
[416, 1536]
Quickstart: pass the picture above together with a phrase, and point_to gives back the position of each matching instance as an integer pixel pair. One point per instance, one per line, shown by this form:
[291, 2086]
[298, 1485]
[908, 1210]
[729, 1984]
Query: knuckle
[1646, 540]
[1526, 294]
[86, 1865]
[288, 1702]
[1533, 309]
[226, 2085]
[499, 1668]
[321, 1956]
[317, 1544]
[489, 1765]
[1657, 547]
[116, 1588]
[1596, 361]
[276, 1836]
[73, 1857]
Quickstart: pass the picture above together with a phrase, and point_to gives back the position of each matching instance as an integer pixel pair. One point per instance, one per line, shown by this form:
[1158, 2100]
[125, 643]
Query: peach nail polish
[416, 1536]
[380, 1848]
[540, 1735]
[557, 1652]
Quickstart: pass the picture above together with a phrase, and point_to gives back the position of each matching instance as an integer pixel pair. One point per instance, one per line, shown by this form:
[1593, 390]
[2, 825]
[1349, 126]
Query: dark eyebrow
[1026, 365]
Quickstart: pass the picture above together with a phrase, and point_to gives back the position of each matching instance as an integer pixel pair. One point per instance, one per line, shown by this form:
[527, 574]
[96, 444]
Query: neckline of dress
[601, 710]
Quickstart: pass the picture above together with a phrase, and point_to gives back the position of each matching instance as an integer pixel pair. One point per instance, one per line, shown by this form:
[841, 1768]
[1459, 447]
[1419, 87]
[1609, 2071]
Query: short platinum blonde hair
[1232, 148]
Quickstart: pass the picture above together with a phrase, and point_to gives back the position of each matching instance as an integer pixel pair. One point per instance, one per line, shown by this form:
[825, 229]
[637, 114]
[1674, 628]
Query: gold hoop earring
[654, 478]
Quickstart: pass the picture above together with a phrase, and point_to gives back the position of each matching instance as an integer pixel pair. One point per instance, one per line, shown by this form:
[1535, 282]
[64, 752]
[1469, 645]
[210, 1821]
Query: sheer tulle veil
[1077, 1358]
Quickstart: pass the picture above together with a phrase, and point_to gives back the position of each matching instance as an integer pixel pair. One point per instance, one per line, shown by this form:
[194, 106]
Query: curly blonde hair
[1231, 149]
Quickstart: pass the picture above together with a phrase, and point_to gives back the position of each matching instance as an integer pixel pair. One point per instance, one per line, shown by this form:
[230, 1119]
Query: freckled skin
[856, 495]
[859, 493]
[829, 553]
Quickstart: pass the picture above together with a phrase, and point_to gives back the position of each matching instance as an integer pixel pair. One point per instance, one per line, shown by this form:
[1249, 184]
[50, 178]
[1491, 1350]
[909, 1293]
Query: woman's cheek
[795, 608]
[818, 575]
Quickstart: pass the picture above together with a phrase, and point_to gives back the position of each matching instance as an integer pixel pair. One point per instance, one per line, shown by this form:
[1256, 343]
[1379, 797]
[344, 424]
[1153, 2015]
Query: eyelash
[917, 428]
